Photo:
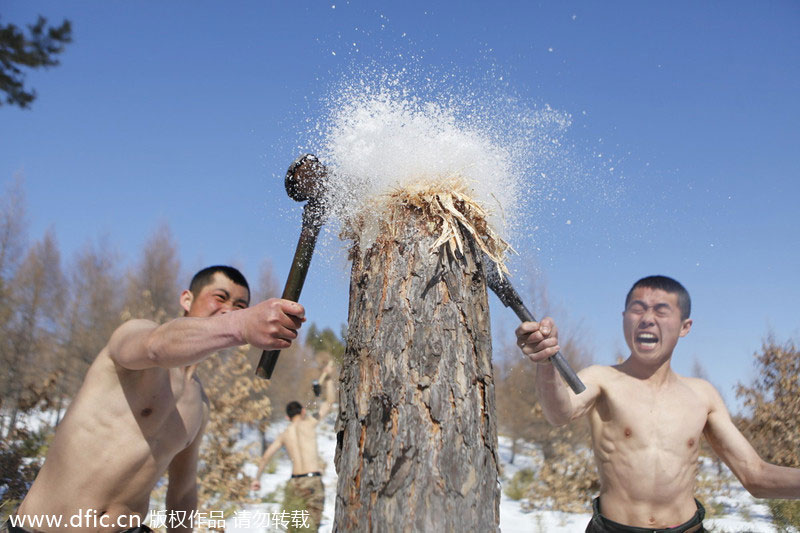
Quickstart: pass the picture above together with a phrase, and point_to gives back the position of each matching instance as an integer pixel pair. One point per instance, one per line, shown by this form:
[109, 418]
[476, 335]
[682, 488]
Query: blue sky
[683, 156]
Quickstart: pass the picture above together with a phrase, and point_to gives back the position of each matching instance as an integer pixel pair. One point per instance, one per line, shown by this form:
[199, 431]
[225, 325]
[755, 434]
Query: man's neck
[657, 373]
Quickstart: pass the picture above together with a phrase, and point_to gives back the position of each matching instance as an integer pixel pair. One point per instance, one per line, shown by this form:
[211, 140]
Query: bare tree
[153, 286]
[12, 228]
[516, 397]
[32, 330]
[12, 236]
[93, 312]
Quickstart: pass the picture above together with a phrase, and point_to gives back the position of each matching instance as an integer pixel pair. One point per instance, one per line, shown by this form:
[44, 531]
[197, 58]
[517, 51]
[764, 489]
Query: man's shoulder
[700, 386]
[600, 378]
[127, 329]
[103, 364]
[129, 339]
[104, 367]
[134, 325]
[307, 421]
[104, 358]
[600, 372]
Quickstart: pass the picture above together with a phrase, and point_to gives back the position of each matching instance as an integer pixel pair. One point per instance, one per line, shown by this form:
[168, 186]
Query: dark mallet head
[305, 179]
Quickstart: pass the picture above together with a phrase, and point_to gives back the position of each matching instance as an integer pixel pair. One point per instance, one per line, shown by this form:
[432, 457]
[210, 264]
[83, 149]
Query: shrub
[519, 484]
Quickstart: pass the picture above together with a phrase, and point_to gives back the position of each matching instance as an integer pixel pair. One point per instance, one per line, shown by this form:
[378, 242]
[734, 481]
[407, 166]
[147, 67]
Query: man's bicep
[726, 439]
[324, 410]
[128, 344]
[183, 474]
[584, 402]
[272, 449]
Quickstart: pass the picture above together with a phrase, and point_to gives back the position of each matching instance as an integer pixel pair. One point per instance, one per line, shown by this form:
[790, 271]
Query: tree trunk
[417, 436]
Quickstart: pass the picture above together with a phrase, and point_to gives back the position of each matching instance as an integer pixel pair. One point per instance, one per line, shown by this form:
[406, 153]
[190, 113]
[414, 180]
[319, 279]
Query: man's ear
[685, 327]
[186, 300]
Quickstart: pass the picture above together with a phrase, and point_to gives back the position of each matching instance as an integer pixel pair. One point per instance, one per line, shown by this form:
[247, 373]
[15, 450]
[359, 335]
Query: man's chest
[638, 418]
[170, 412]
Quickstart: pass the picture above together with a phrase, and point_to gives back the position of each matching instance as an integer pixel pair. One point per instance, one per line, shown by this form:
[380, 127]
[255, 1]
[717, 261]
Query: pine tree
[39, 48]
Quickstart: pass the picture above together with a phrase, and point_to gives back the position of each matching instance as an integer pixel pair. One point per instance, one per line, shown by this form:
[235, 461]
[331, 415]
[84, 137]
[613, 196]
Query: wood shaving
[448, 206]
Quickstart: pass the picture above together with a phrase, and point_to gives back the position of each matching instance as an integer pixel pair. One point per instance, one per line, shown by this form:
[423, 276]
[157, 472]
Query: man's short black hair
[666, 284]
[293, 409]
[204, 277]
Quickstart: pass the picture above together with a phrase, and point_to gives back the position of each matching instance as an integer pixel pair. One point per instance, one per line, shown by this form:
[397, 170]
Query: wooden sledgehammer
[305, 181]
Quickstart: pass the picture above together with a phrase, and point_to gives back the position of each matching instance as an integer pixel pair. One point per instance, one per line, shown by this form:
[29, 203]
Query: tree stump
[416, 434]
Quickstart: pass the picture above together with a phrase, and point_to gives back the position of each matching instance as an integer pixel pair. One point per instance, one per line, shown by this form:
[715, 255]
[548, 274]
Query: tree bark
[417, 437]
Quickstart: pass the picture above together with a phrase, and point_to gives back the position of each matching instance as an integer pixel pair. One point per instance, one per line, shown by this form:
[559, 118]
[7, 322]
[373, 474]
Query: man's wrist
[236, 322]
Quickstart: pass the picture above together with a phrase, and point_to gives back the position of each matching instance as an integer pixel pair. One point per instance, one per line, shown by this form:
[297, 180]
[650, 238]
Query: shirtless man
[646, 420]
[300, 442]
[141, 410]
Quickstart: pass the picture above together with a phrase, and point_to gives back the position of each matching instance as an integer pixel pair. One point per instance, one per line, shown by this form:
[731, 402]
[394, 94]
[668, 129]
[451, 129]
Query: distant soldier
[141, 411]
[646, 420]
[300, 441]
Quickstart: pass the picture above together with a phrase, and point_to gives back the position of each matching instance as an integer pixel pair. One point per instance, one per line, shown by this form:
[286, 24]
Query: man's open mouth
[646, 338]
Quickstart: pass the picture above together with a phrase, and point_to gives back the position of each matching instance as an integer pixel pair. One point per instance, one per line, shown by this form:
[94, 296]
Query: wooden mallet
[305, 182]
[510, 298]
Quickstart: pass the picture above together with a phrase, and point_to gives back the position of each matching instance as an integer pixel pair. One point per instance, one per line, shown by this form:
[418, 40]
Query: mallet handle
[312, 222]
[505, 291]
[558, 360]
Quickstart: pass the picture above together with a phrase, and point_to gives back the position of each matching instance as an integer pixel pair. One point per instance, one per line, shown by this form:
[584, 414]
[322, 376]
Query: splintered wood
[445, 205]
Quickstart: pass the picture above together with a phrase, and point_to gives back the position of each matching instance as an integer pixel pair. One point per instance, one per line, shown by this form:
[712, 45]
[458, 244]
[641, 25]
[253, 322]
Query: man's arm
[182, 488]
[760, 478]
[539, 341]
[271, 450]
[140, 344]
[327, 383]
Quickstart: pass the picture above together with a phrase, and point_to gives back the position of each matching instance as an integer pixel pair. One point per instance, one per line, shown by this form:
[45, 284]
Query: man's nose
[226, 308]
[648, 317]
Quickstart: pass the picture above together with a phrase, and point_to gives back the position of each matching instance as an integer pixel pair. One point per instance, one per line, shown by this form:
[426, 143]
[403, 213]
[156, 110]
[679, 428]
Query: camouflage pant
[305, 493]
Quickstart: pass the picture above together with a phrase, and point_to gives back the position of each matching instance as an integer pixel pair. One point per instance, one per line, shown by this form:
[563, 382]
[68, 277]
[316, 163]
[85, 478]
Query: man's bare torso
[119, 435]
[646, 442]
[300, 442]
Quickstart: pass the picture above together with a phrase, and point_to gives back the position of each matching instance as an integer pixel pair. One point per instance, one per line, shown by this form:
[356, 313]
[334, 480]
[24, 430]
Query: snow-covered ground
[744, 514]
